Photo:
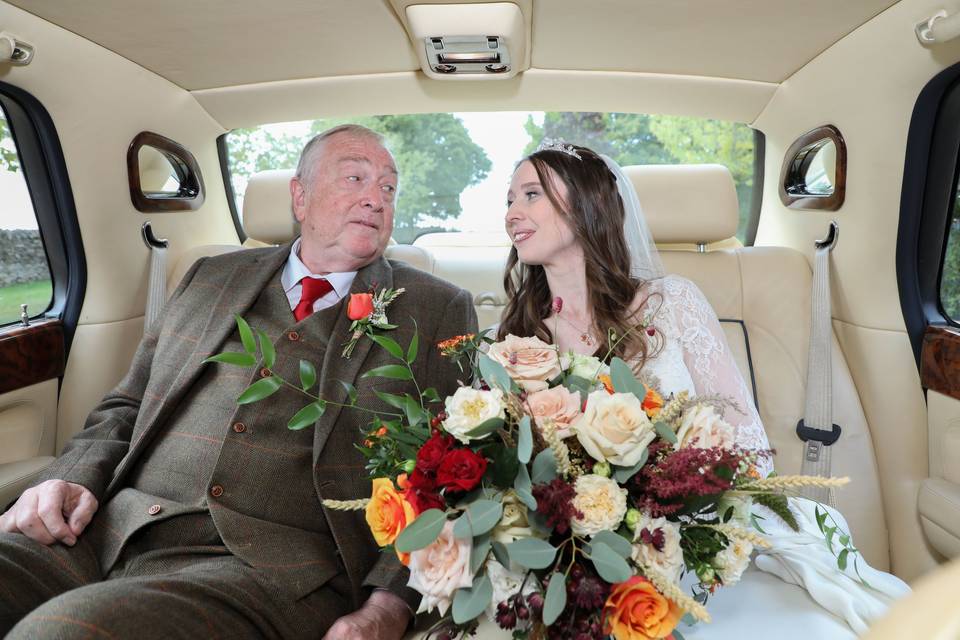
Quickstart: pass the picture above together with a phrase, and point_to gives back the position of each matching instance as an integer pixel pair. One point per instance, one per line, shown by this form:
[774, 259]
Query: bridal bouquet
[563, 497]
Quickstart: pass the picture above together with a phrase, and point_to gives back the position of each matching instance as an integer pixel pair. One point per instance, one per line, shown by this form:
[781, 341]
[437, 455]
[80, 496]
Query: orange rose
[360, 306]
[652, 403]
[388, 513]
[635, 610]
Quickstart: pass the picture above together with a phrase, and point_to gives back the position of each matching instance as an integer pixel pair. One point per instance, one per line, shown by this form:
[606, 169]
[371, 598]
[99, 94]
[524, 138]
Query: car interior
[119, 116]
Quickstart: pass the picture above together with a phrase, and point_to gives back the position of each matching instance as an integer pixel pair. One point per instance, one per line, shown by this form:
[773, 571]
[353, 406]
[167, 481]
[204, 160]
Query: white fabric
[294, 271]
[803, 559]
[644, 259]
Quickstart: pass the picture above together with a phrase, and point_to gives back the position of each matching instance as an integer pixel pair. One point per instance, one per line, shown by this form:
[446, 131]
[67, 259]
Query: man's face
[345, 203]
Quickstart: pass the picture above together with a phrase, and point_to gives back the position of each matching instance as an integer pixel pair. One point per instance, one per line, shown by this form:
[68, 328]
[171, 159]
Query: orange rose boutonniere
[368, 311]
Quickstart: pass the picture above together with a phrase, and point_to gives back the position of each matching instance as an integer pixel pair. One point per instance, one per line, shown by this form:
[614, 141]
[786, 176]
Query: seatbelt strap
[817, 429]
[157, 283]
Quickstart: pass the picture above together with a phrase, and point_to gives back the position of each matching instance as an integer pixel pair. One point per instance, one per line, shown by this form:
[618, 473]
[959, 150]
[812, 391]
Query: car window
[455, 167]
[24, 271]
[950, 274]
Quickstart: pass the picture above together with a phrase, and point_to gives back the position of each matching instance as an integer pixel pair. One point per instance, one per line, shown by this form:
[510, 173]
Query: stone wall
[22, 258]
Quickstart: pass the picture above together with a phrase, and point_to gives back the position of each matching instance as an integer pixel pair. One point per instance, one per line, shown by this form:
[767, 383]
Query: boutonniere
[368, 311]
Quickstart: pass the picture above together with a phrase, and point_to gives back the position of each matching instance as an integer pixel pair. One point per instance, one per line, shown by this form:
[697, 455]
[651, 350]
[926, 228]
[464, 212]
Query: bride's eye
[531, 194]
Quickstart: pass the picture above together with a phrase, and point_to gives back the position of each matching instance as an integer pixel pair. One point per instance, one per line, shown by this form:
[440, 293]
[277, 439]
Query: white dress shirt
[294, 271]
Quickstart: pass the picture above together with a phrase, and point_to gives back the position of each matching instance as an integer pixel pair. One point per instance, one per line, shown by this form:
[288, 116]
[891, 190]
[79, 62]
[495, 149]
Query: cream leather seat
[762, 296]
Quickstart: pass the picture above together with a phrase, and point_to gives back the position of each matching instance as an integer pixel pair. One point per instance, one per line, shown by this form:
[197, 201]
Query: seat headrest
[267, 215]
[687, 203]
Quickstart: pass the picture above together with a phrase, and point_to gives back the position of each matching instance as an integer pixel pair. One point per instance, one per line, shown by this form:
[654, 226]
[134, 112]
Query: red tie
[313, 289]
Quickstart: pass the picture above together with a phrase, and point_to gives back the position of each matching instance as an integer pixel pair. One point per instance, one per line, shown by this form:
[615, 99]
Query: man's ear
[298, 198]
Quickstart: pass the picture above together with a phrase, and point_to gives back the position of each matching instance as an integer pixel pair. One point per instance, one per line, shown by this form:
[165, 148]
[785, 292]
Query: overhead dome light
[468, 40]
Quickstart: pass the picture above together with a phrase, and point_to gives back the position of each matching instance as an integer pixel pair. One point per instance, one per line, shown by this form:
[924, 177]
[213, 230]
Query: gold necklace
[585, 336]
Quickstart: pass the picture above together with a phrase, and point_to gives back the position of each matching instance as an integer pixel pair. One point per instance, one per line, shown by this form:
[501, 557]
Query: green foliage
[8, 152]
[556, 599]
[422, 531]
[778, 504]
[631, 138]
[950, 280]
[435, 156]
[470, 603]
[532, 553]
[608, 563]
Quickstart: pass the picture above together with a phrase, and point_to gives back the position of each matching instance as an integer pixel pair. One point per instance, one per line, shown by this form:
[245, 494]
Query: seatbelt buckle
[816, 438]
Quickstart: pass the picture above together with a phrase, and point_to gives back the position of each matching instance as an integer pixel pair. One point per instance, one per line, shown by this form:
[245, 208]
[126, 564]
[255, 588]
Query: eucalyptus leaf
[484, 516]
[544, 467]
[622, 474]
[500, 553]
[623, 379]
[392, 371]
[470, 603]
[485, 428]
[307, 416]
[413, 347]
[580, 385]
[556, 598]
[246, 335]
[479, 551]
[308, 375]
[538, 522]
[461, 527]
[260, 389]
[615, 541]
[534, 553]
[266, 348]
[522, 481]
[525, 442]
[664, 431]
[236, 359]
[528, 499]
[351, 391]
[389, 344]
[421, 532]
[494, 373]
[608, 563]
[677, 635]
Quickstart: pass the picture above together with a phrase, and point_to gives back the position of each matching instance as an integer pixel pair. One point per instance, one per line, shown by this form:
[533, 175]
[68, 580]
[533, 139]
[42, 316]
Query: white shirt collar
[294, 271]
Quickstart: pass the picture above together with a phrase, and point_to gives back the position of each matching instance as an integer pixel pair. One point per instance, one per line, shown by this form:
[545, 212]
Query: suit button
[265, 373]
[216, 491]
[154, 509]
[293, 336]
[239, 427]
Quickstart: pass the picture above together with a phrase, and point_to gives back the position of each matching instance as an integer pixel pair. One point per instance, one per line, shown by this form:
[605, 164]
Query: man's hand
[52, 511]
[383, 616]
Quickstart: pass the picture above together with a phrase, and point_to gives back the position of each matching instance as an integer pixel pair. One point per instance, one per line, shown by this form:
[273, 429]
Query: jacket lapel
[240, 290]
[375, 276]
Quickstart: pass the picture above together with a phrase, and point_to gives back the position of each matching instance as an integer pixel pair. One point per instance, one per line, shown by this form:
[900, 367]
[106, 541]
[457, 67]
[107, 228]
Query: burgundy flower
[555, 501]
[461, 470]
[432, 452]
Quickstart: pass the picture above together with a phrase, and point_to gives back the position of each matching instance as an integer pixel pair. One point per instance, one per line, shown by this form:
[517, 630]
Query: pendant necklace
[585, 336]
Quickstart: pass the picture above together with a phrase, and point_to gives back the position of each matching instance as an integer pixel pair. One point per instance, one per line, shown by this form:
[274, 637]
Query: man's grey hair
[313, 148]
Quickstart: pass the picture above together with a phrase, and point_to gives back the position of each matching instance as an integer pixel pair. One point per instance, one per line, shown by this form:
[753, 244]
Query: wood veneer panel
[940, 360]
[29, 355]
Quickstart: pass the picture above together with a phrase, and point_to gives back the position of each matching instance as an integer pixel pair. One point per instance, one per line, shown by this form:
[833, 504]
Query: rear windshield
[455, 168]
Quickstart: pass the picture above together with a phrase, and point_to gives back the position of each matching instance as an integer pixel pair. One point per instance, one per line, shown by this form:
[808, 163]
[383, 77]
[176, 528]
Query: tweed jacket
[196, 321]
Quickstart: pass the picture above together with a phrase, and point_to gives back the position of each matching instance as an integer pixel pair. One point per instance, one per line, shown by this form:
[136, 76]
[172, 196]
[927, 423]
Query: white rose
[531, 362]
[732, 561]
[669, 558]
[468, 408]
[513, 523]
[614, 428]
[506, 583]
[439, 569]
[703, 428]
[601, 501]
[583, 366]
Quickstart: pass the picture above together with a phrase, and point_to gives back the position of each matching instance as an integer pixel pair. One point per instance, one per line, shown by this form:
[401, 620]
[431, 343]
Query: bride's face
[540, 233]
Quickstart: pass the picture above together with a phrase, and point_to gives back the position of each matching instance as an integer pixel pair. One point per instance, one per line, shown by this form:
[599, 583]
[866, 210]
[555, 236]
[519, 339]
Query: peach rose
[702, 427]
[531, 362]
[388, 513]
[635, 610]
[555, 408]
[439, 569]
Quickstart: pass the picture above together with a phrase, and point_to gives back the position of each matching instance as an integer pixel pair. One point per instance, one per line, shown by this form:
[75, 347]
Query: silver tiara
[556, 144]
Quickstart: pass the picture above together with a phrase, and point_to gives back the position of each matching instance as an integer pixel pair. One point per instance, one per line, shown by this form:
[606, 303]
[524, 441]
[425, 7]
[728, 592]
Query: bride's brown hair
[595, 214]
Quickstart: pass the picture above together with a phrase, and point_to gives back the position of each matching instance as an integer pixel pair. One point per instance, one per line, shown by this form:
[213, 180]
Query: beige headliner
[244, 58]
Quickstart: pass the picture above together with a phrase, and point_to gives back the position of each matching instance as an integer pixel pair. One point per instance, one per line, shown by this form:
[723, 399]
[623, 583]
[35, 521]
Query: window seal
[756, 193]
[224, 152]
[45, 172]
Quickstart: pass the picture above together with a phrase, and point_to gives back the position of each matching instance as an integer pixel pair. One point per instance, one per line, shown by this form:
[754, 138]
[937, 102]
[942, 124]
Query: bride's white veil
[644, 258]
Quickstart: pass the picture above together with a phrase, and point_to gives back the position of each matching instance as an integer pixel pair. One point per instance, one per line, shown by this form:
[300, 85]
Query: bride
[583, 268]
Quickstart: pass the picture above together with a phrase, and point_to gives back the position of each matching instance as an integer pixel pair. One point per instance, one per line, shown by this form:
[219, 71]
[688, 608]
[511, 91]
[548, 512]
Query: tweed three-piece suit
[210, 521]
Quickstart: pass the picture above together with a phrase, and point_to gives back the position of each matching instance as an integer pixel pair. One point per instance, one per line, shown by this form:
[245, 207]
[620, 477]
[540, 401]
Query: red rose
[461, 470]
[421, 500]
[422, 481]
[432, 452]
[360, 306]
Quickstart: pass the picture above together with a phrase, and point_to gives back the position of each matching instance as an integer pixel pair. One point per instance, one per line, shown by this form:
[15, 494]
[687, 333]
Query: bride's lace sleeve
[710, 362]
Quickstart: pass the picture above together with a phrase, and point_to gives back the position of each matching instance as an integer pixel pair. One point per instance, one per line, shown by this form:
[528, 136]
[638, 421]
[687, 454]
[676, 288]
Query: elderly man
[177, 514]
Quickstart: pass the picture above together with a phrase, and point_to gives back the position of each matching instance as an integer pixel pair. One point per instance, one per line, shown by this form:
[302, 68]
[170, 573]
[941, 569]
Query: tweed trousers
[193, 589]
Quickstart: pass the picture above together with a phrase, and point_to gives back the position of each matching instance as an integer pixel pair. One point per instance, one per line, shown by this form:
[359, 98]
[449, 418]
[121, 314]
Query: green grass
[36, 294]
